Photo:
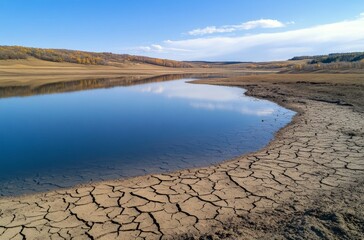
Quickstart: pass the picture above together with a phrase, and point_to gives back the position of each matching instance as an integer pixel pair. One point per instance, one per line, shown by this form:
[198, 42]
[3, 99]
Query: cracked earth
[321, 150]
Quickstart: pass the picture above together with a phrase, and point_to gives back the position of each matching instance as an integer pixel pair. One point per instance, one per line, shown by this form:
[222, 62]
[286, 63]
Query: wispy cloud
[261, 23]
[160, 49]
[340, 36]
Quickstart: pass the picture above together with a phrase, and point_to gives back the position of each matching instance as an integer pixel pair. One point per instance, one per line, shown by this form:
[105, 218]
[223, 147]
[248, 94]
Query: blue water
[59, 140]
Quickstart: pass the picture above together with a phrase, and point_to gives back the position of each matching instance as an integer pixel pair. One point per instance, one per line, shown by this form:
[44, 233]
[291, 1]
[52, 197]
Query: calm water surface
[59, 140]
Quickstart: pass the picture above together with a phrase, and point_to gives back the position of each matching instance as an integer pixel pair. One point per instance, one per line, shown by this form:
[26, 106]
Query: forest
[82, 57]
[333, 61]
[332, 57]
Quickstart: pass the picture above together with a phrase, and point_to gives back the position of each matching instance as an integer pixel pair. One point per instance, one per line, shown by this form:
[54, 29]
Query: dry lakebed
[307, 183]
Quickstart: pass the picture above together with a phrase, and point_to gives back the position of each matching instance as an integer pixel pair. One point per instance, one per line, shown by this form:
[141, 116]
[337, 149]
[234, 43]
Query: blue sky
[189, 29]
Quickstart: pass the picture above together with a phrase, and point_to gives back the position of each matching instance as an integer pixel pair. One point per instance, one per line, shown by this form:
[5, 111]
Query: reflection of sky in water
[212, 98]
[59, 140]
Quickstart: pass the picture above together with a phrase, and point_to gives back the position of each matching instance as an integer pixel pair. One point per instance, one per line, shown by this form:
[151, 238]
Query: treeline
[12, 53]
[334, 66]
[330, 62]
[269, 65]
[333, 58]
[157, 61]
[82, 57]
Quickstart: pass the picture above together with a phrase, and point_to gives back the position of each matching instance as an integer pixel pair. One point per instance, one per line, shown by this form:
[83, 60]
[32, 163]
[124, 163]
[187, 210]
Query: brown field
[34, 72]
[37, 72]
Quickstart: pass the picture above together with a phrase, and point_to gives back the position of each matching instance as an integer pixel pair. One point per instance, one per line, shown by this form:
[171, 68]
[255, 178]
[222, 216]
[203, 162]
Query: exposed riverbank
[306, 183]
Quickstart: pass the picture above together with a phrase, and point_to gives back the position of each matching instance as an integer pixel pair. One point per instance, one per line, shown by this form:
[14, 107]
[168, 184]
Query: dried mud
[306, 184]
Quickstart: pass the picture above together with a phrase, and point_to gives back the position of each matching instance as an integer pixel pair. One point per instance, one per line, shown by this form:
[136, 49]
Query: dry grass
[35, 72]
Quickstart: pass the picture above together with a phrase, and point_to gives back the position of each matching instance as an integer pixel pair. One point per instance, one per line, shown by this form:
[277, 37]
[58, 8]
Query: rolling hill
[82, 57]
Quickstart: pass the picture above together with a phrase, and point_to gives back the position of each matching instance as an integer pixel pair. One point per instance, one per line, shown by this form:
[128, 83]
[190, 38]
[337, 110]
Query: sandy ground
[306, 184]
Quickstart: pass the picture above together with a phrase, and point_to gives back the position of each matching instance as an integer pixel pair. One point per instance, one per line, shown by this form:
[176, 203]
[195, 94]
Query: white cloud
[157, 48]
[335, 37]
[144, 48]
[210, 30]
[261, 23]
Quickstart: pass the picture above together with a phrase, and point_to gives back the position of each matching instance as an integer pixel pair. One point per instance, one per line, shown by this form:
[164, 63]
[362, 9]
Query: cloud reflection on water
[212, 98]
[232, 107]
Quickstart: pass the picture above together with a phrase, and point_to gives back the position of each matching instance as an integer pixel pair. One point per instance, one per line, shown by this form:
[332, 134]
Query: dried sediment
[321, 151]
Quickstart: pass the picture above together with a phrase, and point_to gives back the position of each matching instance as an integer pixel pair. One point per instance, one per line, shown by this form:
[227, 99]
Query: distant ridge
[83, 57]
[216, 62]
[333, 57]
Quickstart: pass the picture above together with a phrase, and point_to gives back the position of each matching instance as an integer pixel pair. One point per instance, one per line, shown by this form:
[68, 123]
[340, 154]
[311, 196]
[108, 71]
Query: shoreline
[194, 200]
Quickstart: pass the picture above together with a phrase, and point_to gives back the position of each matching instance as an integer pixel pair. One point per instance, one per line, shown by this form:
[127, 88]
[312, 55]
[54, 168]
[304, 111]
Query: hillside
[332, 57]
[82, 57]
[333, 62]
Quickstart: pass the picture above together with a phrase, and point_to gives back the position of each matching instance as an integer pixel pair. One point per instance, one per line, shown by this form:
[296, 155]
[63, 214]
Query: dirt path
[320, 154]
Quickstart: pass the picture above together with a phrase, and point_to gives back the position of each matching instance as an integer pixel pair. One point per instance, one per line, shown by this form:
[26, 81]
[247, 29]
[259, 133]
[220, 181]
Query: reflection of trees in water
[79, 85]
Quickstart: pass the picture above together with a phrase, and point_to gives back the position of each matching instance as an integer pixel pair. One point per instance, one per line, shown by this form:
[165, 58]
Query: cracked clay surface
[321, 150]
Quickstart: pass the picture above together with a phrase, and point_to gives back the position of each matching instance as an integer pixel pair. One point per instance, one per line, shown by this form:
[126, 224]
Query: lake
[63, 139]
